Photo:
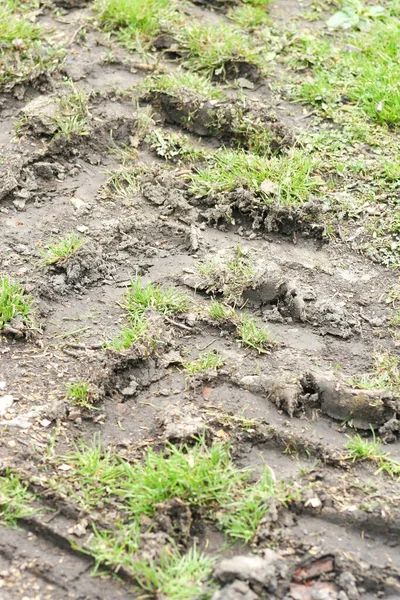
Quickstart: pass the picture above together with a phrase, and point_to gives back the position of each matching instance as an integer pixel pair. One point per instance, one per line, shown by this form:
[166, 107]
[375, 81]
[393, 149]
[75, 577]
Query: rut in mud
[199, 374]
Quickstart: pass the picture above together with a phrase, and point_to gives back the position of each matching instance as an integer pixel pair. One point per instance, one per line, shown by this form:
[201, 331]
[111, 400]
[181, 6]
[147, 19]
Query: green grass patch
[80, 394]
[15, 499]
[210, 49]
[14, 302]
[204, 478]
[136, 21]
[174, 146]
[249, 17]
[254, 335]
[174, 576]
[360, 449]
[142, 296]
[139, 298]
[208, 361]
[221, 313]
[22, 54]
[74, 112]
[290, 175]
[62, 249]
[14, 26]
[362, 70]
[136, 331]
[229, 275]
[178, 81]
[385, 374]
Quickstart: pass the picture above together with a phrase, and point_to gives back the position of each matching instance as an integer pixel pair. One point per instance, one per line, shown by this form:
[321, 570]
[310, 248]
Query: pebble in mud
[260, 572]
[238, 590]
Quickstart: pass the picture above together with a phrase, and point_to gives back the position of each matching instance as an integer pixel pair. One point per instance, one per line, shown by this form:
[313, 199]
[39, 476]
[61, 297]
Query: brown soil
[52, 187]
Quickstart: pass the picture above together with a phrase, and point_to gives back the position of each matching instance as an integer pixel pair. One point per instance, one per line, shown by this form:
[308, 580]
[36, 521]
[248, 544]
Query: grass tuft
[135, 21]
[230, 277]
[141, 297]
[360, 449]
[135, 332]
[15, 499]
[367, 75]
[291, 175]
[14, 302]
[61, 249]
[385, 374]
[209, 361]
[254, 335]
[22, 54]
[179, 80]
[79, 393]
[210, 49]
[220, 312]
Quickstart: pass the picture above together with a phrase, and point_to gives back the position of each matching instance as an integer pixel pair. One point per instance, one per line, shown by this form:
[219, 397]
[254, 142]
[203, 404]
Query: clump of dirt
[247, 123]
[365, 408]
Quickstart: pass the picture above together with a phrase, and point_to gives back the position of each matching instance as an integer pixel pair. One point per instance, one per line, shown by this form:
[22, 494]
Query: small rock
[313, 502]
[3, 385]
[41, 114]
[82, 228]
[253, 569]
[78, 203]
[6, 402]
[19, 204]
[347, 582]
[181, 423]
[238, 590]
[8, 184]
[131, 389]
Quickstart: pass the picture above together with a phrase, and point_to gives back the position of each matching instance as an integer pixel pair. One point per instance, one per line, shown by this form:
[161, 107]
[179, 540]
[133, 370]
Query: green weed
[291, 175]
[142, 296]
[14, 302]
[230, 276]
[61, 249]
[219, 312]
[385, 374]
[135, 332]
[210, 361]
[79, 393]
[359, 449]
[15, 499]
[254, 335]
[74, 112]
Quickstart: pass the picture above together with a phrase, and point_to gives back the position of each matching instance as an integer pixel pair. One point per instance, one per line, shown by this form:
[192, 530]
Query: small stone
[238, 590]
[41, 114]
[19, 204]
[6, 402]
[131, 389]
[254, 569]
[78, 203]
[313, 502]
[82, 228]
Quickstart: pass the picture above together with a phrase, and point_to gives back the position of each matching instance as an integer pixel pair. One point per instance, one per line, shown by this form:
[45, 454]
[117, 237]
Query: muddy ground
[266, 405]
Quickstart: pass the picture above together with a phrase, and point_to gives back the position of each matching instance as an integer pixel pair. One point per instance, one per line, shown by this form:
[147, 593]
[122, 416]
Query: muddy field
[171, 315]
